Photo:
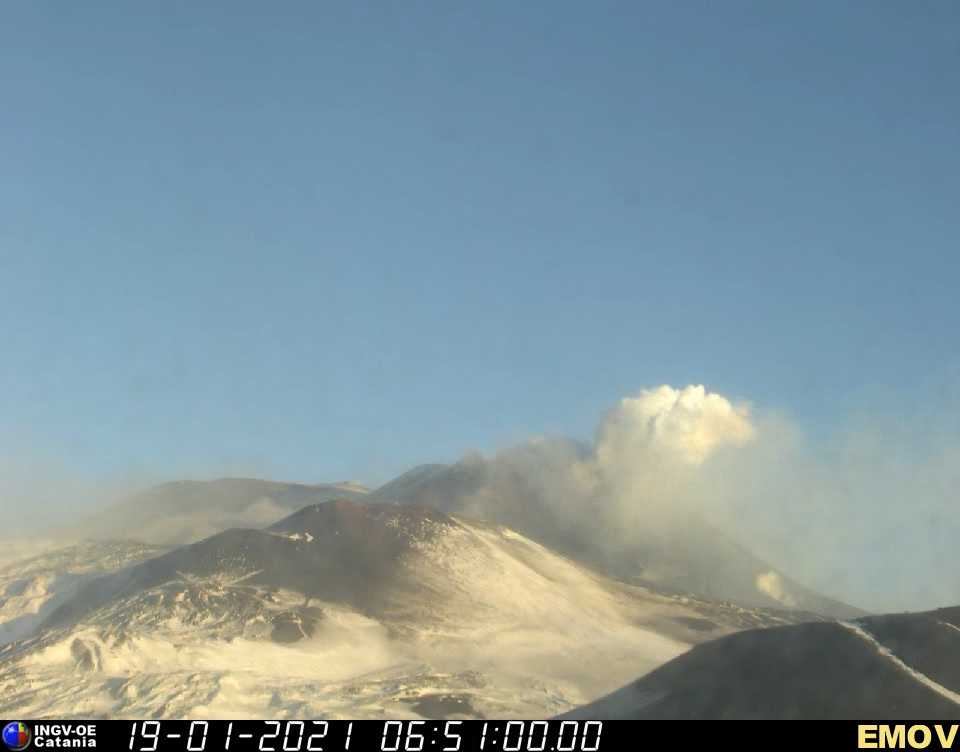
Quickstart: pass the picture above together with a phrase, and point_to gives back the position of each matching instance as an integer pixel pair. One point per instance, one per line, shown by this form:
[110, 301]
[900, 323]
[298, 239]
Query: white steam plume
[687, 424]
[870, 514]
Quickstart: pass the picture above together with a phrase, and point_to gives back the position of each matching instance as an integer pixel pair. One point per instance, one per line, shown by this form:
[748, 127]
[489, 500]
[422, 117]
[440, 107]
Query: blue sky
[331, 240]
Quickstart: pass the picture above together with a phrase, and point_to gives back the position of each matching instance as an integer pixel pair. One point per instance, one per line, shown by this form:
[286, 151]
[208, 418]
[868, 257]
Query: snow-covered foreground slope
[33, 586]
[347, 609]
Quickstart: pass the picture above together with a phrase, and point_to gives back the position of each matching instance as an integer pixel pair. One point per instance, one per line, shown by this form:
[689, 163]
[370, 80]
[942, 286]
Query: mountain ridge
[687, 554]
[893, 666]
[355, 609]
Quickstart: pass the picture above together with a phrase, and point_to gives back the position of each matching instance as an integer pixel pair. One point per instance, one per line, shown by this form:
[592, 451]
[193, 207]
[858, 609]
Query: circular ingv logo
[16, 735]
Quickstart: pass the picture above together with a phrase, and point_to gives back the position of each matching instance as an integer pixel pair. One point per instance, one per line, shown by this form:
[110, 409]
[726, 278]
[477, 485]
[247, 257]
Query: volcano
[354, 609]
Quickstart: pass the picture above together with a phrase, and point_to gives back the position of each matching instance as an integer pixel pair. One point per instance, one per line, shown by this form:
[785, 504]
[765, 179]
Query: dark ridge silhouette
[817, 671]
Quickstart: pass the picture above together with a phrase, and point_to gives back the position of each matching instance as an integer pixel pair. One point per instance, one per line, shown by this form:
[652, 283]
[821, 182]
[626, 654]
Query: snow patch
[948, 625]
[771, 584]
[886, 653]
[294, 536]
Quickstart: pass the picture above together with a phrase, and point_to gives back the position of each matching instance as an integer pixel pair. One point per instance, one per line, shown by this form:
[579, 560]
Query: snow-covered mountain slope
[686, 554]
[186, 511]
[31, 588]
[359, 610]
[893, 667]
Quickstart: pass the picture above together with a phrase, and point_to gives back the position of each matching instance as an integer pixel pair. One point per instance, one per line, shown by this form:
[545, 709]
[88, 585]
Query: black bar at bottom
[473, 736]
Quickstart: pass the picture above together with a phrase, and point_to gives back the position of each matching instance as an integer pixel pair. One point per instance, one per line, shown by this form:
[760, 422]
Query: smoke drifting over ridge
[871, 516]
[649, 450]
[640, 472]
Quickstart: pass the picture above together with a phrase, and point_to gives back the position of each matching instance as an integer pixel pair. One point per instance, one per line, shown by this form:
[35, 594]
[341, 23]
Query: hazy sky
[330, 240]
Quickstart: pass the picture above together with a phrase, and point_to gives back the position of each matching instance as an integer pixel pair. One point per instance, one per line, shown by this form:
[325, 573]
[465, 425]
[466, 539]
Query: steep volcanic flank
[354, 609]
[684, 553]
[339, 551]
[892, 667]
